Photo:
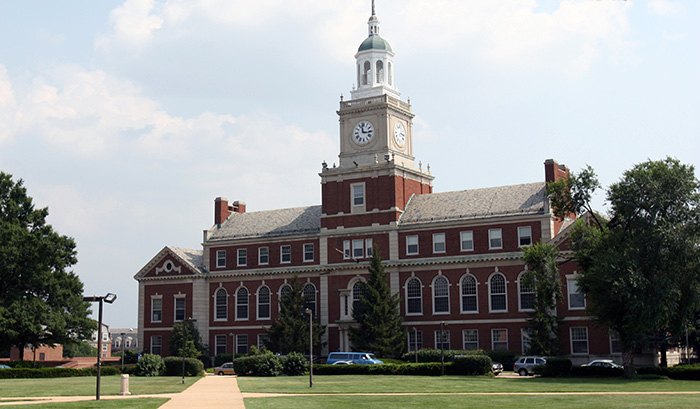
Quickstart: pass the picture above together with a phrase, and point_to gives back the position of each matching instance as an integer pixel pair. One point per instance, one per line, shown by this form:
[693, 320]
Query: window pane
[286, 254]
[221, 304]
[263, 303]
[467, 239]
[413, 295]
[498, 293]
[263, 255]
[242, 304]
[411, 244]
[179, 309]
[308, 252]
[524, 236]
[495, 239]
[157, 310]
[469, 301]
[439, 243]
[441, 292]
[358, 195]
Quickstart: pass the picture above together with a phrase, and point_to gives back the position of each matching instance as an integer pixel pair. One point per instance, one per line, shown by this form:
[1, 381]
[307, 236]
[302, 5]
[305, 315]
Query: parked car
[3, 366]
[525, 365]
[603, 363]
[225, 369]
[360, 358]
[496, 368]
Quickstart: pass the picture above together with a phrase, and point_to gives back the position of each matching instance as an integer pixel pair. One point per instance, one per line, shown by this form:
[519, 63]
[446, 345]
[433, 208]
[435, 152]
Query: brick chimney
[222, 210]
[554, 171]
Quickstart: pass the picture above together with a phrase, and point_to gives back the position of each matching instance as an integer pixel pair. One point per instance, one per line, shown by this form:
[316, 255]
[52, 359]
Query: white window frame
[413, 297]
[263, 256]
[241, 341]
[445, 339]
[572, 285]
[439, 245]
[368, 248]
[466, 237]
[242, 254]
[313, 292]
[347, 250]
[524, 233]
[414, 344]
[160, 310]
[492, 294]
[358, 249]
[493, 339]
[470, 336]
[309, 252]
[158, 344]
[614, 337]
[285, 250]
[435, 296]
[525, 342]
[495, 234]
[358, 197]
[220, 258]
[462, 289]
[572, 340]
[239, 303]
[521, 293]
[261, 304]
[176, 309]
[412, 241]
[219, 345]
[217, 304]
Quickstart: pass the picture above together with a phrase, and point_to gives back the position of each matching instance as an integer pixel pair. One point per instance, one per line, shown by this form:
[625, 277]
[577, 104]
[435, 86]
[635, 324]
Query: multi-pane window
[220, 344]
[467, 240]
[242, 304]
[242, 344]
[263, 303]
[441, 295]
[414, 301]
[221, 258]
[264, 255]
[527, 293]
[415, 340]
[242, 257]
[309, 252]
[358, 248]
[358, 194]
[179, 308]
[497, 293]
[411, 244]
[439, 243]
[310, 298]
[524, 236]
[469, 297]
[156, 309]
[368, 248]
[221, 301]
[495, 239]
[577, 300]
[284, 290]
[470, 339]
[358, 290]
[499, 339]
[579, 340]
[156, 344]
[525, 340]
[286, 254]
[442, 339]
[615, 343]
[347, 254]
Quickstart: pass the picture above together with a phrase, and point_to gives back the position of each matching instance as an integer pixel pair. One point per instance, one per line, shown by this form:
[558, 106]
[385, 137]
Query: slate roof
[477, 203]
[271, 223]
[194, 258]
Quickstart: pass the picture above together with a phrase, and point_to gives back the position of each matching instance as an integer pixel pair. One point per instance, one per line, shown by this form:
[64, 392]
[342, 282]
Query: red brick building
[454, 257]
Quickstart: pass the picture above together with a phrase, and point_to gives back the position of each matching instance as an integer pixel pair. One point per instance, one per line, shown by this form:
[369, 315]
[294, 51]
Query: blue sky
[128, 118]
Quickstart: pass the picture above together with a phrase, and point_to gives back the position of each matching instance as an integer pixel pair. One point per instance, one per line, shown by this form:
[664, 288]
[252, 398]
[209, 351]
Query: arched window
[310, 297]
[526, 294]
[242, 304]
[380, 72]
[358, 289]
[441, 295]
[221, 301]
[263, 303]
[366, 73]
[414, 296]
[497, 293]
[469, 296]
[284, 290]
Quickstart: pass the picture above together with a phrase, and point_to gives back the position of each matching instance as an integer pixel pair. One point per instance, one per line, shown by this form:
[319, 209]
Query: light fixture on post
[184, 343]
[311, 348]
[107, 298]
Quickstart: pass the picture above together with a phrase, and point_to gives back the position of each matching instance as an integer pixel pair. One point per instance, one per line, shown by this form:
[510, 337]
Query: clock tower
[377, 174]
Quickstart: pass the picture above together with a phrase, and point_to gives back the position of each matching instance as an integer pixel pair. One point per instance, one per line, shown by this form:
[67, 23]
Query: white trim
[247, 300]
[520, 293]
[260, 262]
[216, 304]
[500, 237]
[282, 247]
[464, 338]
[461, 294]
[358, 208]
[257, 303]
[432, 291]
[493, 341]
[412, 237]
[176, 298]
[313, 252]
[219, 259]
[420, 297]
[522, 236]
[571, 340]
[240, 252]
[436, 242]
[157, 297]
[505, 293]
[462, 240]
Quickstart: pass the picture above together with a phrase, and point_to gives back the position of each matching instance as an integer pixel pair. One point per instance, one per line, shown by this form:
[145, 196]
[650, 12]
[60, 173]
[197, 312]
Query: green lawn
[85, 386]
[141, 403]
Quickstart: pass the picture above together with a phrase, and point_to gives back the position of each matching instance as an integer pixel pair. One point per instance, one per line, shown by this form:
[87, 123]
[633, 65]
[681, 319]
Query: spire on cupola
[375, 64]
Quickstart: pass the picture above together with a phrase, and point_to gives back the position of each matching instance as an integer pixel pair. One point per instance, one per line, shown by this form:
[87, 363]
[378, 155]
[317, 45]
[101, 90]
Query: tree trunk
[21, 351]
[628, 362]
[664, 357]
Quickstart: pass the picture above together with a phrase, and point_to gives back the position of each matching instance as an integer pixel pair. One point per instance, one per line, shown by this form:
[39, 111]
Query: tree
[194, 348]
[379, 327]
[77, 349]
[543, 277]
[290, 331]
[640, 268]
[40, 302]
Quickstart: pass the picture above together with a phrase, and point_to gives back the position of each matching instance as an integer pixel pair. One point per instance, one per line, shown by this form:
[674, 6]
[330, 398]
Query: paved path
[212, 392]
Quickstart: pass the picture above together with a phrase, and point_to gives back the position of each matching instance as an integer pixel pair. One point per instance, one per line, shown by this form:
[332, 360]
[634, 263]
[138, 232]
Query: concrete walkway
[212, 392]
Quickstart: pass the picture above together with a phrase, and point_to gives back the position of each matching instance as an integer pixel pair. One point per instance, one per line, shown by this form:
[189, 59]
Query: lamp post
[311, 349]
[108, 298]
[415, 341]
[184, 343]
[121, 341]
[442, 348]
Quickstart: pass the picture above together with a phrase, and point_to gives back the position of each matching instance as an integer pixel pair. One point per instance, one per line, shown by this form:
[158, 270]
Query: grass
[85, 386]
[141, 403]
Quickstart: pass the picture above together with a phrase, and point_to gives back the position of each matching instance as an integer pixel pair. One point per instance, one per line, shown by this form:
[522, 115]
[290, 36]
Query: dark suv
[526, 364]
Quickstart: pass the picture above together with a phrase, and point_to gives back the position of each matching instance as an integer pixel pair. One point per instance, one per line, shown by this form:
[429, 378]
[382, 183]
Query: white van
[360, 358]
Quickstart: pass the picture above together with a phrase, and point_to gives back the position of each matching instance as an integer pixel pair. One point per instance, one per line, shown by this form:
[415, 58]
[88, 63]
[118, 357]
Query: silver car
[526, 364]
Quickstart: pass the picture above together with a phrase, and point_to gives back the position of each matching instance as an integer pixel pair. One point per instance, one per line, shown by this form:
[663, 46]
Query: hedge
[471, 365]
[557, 366]
[434, 355]
[505, 358]
[173, 366]
[429, 369]
[598, 371]
[258, 365]
[680, 372]
[54, 372]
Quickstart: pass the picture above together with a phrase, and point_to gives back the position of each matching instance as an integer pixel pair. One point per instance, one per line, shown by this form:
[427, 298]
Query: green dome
[374, 42]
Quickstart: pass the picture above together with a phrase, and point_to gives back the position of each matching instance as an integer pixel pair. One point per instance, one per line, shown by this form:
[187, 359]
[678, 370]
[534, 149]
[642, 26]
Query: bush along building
[455, 258]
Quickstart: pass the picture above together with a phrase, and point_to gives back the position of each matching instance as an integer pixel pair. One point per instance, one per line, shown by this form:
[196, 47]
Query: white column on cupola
[373, 22]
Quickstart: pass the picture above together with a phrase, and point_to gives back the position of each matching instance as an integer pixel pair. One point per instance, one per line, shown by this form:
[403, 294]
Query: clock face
[363, 133]
[399, 134]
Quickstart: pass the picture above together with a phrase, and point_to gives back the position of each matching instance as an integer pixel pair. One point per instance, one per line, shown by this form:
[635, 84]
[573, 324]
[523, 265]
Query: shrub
[429, 369]
[505, 358]
[221, 359]
[471, 365]
[434, 355]
[53, 372]
[150, 365]
[24, 364]
[258, 365]
[294, 364]
[556, 366]
[173, 366]
[682, 372]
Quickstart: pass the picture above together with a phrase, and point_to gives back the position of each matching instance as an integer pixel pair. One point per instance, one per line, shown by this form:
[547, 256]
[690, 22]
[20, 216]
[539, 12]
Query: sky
[128, 118]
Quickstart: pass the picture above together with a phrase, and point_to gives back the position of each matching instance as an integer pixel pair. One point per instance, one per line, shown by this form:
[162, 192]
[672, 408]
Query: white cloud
[133, 23]
[665, 7]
